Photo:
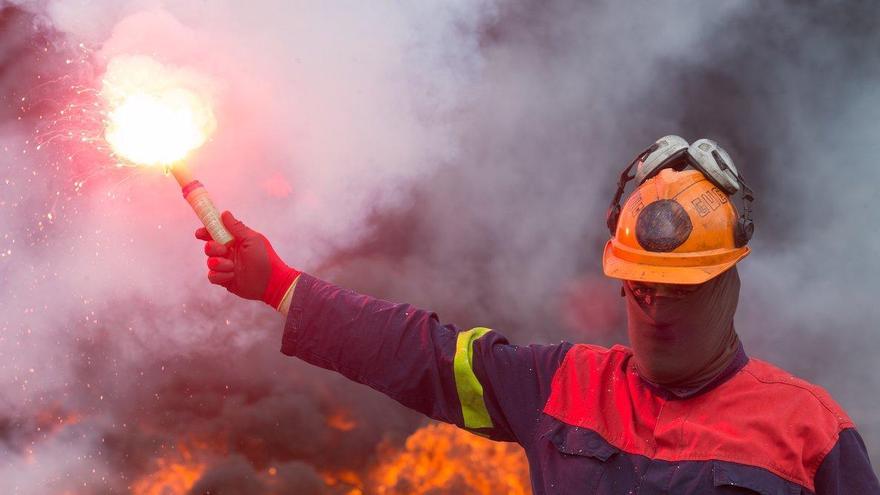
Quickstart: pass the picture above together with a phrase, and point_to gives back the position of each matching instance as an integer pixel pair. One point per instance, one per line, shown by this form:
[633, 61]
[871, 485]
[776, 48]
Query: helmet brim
[616, 267]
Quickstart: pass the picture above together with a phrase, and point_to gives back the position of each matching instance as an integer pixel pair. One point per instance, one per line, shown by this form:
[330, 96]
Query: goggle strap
[747, 193]
[626, 176]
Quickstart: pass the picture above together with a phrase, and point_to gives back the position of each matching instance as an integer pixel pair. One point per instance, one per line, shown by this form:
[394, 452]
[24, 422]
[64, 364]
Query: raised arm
[474, 379]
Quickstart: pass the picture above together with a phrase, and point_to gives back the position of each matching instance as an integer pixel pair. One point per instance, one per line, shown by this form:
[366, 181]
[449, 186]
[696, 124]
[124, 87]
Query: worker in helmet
[683, 410]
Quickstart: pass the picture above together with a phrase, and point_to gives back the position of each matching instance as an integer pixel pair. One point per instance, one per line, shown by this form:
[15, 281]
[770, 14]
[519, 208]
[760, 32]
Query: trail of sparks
[70, 118]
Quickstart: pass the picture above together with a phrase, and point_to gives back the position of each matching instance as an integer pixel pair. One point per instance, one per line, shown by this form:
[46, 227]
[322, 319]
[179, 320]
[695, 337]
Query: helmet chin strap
[613, 213]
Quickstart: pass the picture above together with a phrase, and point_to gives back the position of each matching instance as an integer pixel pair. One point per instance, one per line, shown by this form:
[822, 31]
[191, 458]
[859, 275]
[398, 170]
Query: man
[684, 411]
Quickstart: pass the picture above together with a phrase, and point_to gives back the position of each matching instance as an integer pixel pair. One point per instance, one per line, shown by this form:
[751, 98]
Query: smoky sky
[458, 155]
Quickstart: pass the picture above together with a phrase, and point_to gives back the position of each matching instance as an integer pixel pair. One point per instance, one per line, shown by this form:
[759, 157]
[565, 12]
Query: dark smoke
[102, 374]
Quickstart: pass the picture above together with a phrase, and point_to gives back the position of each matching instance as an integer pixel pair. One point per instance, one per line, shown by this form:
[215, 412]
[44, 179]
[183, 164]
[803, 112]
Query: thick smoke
[458, 155]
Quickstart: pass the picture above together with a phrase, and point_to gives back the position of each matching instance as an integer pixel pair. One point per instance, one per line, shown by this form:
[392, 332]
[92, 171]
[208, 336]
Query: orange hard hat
[676, 228]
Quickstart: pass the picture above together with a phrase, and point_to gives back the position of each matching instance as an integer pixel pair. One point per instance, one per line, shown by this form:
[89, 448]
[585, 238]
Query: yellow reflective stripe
[470, 392]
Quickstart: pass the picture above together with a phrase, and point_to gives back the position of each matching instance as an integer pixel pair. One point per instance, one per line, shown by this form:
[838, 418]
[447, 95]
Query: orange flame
[341, 421]
[442, 458]
[171, 477]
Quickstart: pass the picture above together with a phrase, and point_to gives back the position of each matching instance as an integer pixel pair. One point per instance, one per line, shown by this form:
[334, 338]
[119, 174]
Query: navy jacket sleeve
[847, 469]
[473, 378]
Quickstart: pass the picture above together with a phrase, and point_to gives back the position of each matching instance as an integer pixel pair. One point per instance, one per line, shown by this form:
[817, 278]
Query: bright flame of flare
[156, 115]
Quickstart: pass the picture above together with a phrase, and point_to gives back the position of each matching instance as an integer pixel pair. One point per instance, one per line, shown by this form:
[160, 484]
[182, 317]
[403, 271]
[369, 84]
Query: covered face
[682, 335]
[673, 246]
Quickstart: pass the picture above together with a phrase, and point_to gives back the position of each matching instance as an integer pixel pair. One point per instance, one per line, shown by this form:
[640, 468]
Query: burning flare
[154, 116]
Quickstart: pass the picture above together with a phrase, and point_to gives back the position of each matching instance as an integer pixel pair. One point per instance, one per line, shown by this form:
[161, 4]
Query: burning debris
[441, 458]
[171, 475]
[437, 458]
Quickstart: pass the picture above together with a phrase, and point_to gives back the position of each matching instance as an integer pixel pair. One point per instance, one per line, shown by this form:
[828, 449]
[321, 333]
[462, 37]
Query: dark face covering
[684, 340]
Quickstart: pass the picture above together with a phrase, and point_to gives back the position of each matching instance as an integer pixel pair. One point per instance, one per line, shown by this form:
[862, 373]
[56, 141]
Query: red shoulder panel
[762, 416]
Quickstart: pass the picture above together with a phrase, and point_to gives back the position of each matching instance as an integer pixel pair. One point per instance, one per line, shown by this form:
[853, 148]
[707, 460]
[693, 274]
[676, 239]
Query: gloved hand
[247, 267]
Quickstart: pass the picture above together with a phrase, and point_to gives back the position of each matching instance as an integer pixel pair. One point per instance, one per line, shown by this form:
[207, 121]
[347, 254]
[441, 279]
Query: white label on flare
[201, 203]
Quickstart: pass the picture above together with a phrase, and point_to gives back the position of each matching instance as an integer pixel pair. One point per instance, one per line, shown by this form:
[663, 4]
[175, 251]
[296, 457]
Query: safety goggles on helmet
[704, 155]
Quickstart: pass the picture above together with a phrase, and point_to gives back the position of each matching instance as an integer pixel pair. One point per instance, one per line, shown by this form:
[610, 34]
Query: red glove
[247, 267]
